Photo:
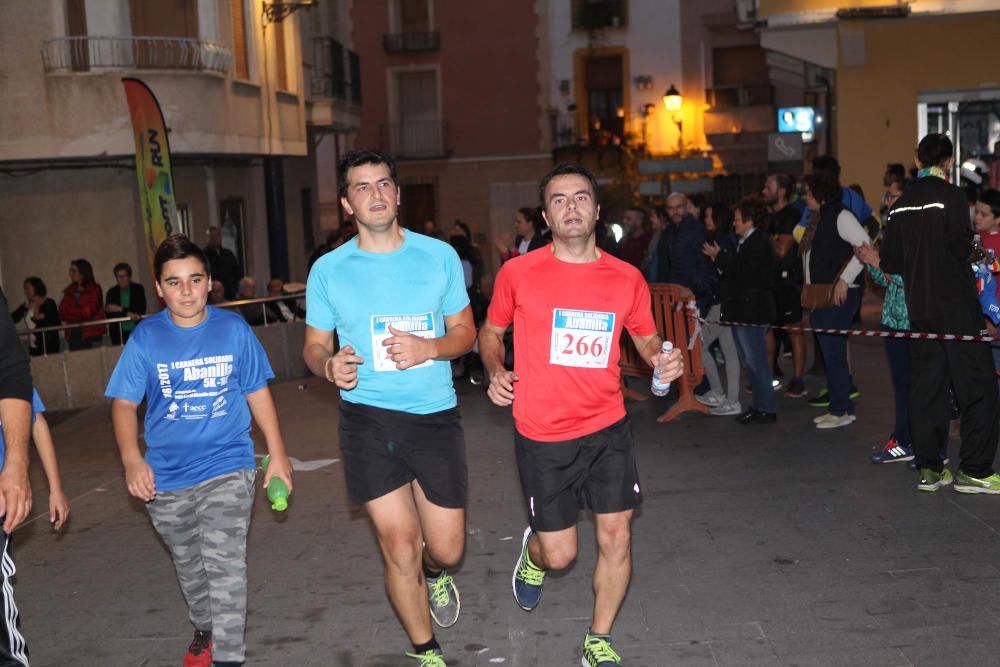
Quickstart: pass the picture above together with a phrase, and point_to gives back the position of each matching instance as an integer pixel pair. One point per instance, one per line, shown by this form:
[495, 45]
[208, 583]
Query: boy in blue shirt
[202, 373]
[398, 302]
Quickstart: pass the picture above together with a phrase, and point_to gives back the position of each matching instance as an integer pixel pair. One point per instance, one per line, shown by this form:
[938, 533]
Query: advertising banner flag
[152, 166]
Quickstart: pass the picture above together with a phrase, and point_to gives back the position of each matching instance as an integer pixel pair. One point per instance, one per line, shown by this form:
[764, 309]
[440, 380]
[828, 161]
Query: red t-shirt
[991, 241]
[568, 321]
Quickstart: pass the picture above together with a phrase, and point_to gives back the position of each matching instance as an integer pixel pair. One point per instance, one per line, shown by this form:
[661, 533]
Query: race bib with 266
[418, 325]
[581, 338]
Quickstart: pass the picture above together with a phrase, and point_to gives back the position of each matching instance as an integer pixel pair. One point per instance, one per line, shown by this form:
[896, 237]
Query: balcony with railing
[579, 130]
[416, 139]
[725, 97]
[334, 75]
[88, 53]
[408, 42]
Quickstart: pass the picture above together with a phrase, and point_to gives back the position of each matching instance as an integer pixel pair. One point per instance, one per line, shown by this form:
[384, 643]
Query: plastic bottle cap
[280, 505]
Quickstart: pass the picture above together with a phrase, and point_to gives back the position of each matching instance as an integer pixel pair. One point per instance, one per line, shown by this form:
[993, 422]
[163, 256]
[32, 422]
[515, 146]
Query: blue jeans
[751, 343]
[838, 375]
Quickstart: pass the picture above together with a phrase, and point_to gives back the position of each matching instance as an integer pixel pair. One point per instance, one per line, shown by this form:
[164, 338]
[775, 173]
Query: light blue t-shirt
[413, 288]
[36, 407]
[195, 382]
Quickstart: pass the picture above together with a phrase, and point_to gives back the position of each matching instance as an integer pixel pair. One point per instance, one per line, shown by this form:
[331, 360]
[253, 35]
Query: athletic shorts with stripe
[386, 449]
[596, 472]
[13, 647]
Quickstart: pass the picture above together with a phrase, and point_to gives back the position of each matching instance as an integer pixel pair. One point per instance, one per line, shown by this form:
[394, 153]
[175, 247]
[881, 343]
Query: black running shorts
[788, 304]
[386, 449]
[596, 472]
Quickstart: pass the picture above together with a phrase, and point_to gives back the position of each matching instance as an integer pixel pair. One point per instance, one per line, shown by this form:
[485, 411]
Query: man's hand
[113, 308]
[501, 389]
[280, 467]
[139, 479]
[342, 368]
[408, 350]
[15, 496]
[672, 364]
[839, 292]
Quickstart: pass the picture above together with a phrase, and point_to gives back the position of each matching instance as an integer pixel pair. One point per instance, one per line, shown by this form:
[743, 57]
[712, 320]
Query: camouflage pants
[205, 529]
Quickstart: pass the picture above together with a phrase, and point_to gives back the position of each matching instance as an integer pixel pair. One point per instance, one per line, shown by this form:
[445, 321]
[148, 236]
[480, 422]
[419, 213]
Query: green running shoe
[821, 400]
[932, 481]
[432, 658]
[443, 597]
[969, 484]
[597, 652]
[527, 579]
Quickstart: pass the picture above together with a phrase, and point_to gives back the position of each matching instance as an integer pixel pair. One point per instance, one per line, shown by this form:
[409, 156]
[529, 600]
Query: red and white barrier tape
[857, 332]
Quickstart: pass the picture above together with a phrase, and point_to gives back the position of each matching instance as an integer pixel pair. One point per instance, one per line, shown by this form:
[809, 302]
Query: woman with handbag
[832, 289]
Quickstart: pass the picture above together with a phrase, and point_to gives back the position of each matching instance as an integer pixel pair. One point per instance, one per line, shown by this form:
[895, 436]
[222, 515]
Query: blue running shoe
[598, 652]
[893, 452]
[527, 580]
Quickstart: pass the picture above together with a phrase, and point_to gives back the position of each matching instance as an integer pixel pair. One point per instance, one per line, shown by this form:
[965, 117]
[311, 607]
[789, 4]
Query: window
[76, 26]
[413, 16]
[605, 99]
[418, 130]
[241, 59]
[599, 14]
[281, 67]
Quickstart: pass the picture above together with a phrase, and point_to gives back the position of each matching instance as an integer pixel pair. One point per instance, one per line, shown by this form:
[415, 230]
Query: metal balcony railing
[401, 42]
[580, 129]
[723, 97]
[336, 71]
[415, 139]
[82, 54]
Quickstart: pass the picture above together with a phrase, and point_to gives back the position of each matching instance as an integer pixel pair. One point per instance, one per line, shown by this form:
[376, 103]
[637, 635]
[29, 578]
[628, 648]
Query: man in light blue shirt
[398, 302]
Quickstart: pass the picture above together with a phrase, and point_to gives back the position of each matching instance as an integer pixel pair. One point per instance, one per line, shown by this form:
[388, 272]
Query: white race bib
[581, 338]
[418, 325]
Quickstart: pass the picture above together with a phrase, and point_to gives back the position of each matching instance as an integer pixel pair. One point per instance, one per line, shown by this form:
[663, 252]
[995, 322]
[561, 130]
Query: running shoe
[968, 484]
[835, 421]
[528, 580]
[855, 393]
[199, 653]
[821, 400]
[709, 398]
[432, 658]
[597, 652]
[777, 384]
[932, 481]
[892, 452]
[942, 453]
[796, 388]
[444, 602]
[726, 409]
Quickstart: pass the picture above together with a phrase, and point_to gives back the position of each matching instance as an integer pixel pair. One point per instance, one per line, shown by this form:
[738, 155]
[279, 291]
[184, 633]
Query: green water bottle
[277, 490]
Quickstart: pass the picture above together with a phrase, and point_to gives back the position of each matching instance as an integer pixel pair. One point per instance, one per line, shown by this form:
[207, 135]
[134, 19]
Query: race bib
[418, 325]
[581, 338]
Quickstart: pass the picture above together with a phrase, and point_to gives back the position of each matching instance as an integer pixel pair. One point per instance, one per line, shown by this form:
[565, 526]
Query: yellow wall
[772, 7]
[877, 103]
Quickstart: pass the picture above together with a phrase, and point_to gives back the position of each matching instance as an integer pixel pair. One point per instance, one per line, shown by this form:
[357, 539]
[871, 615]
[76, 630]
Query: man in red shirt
[573, 440]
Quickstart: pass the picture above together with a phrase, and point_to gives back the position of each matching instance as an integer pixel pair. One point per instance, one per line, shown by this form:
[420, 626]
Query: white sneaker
[709, 398]
[726, 409]
[822, 418]
[831, 421]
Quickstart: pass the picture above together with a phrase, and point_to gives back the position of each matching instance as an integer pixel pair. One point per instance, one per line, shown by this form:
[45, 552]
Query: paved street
[773, 545]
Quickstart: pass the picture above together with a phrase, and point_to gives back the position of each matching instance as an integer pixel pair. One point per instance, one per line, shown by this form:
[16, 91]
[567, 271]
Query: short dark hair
[177, 246]
[37, 285]
[824, 186]
[989, 197]
[464, 227]
[86, 270]
[359, 157]
[700, 202]
[567, 169]
[640, 210]
[122, 266]
[934, 150]
[660, 211]
[826, 163]
[897, 170]
[754, 209]
[784, 181]
[533, 215]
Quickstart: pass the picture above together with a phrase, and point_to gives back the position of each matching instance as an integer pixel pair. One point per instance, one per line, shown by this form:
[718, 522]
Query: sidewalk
[770, 545]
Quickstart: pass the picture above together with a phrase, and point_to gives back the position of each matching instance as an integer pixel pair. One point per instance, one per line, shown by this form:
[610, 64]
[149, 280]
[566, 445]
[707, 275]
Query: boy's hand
[58, 509]
[342, 368]
[139, 480]
[280, 467]
[408, 350]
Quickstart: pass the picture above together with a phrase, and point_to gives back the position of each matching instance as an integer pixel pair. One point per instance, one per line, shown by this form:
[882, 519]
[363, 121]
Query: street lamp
[672, 101]
[277, 11]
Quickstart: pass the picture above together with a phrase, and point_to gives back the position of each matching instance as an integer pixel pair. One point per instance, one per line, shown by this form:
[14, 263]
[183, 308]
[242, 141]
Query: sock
[427, 646]
[591, 633]
[431, 574]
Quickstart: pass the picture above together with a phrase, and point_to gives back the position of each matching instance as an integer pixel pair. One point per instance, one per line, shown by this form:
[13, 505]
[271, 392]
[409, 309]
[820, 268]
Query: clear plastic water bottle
[660, 387]
[277, 490]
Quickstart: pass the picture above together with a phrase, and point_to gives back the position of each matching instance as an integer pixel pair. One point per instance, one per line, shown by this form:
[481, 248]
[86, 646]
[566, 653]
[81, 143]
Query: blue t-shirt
[195, 382]
[413, 288]
[36, 407]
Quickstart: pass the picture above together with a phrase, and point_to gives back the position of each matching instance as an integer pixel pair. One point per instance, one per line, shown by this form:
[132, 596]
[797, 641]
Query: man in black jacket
[928, 241]
[222, 263]
[15, 491]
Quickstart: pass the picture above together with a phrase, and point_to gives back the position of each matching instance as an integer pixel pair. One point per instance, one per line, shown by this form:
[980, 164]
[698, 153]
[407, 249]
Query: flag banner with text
[152, 165]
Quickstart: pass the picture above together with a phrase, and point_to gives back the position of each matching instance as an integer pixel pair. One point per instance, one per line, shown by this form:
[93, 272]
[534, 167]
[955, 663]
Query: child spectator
[199, 369]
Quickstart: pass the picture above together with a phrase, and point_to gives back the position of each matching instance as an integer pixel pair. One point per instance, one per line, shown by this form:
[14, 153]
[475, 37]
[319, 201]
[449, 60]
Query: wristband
[326, 369]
